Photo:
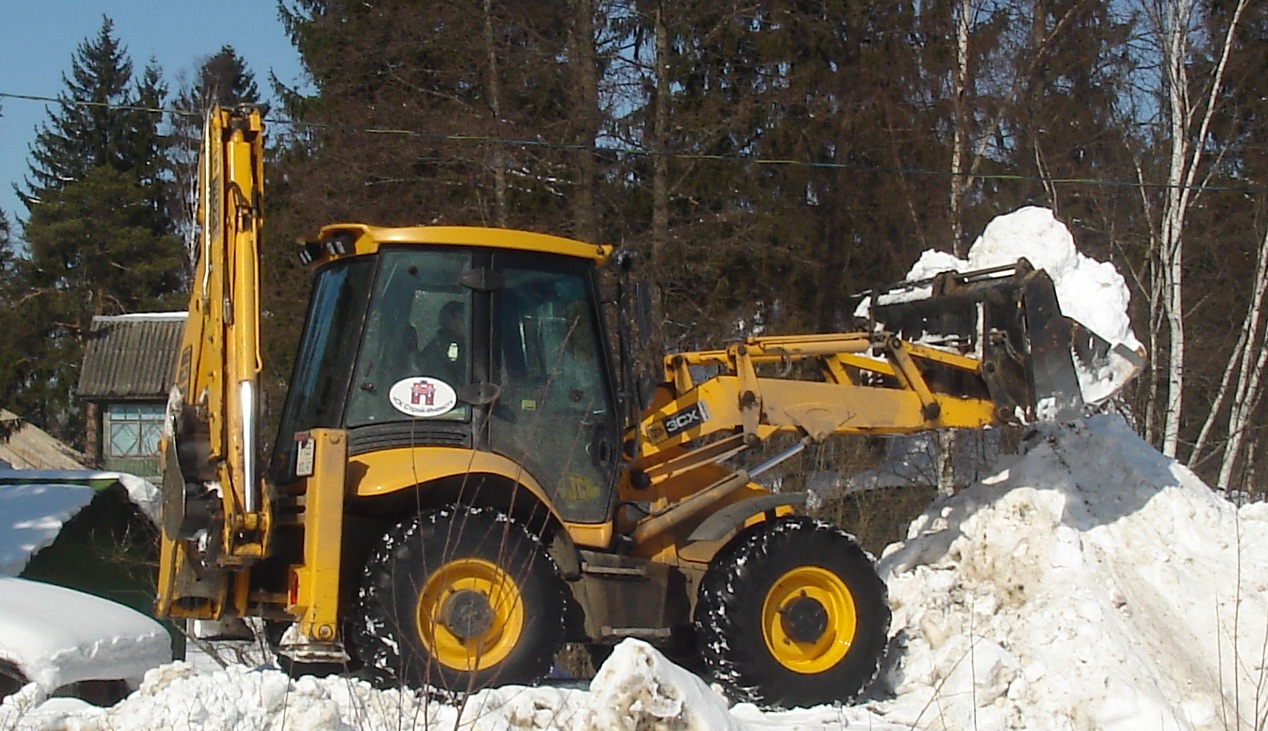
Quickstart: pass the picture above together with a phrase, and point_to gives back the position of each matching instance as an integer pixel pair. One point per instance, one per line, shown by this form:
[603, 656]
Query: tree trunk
[1249, 379]
[500, 215]
[586, 104]
[1186, 158]
[659, 141]
[1238, 363]
[959, 135]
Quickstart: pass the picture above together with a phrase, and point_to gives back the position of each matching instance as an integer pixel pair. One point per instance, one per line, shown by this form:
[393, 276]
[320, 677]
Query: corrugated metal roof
[131, 356]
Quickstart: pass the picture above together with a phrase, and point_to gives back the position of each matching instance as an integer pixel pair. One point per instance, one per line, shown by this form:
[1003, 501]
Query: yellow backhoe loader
[465, 478]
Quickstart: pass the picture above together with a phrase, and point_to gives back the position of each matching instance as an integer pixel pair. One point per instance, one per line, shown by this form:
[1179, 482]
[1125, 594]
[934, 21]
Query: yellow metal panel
[389, 471]
[590, 535]
[317, 578]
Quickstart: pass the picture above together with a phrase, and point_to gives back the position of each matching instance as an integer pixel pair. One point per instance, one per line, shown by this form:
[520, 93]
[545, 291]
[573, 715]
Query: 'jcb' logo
[692, 416]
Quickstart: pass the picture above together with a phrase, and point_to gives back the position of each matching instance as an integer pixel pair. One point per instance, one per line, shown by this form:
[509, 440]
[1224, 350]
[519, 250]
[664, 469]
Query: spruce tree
[98, 236]
[90, 128]
[147, 146]
[223, 78]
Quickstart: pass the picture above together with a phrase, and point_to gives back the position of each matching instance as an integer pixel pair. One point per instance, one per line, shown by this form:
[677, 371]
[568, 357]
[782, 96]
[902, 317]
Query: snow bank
[143, 493]
[1092, 583]
[35, 504]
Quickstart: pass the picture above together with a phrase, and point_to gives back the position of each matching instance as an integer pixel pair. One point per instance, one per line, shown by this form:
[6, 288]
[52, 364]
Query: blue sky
[41, 37]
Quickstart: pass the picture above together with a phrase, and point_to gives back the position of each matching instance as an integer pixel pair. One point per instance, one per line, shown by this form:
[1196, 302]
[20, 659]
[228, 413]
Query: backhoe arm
[215, 513]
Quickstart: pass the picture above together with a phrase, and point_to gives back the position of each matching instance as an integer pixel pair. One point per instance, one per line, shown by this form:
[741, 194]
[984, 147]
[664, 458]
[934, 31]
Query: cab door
[556, 412]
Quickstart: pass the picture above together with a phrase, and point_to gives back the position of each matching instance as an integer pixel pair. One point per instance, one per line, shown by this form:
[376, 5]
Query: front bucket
[1008, 317]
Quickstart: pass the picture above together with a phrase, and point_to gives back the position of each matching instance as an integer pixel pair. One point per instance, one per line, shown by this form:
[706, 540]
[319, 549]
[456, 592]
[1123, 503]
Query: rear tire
[459, 599]
[792, 613]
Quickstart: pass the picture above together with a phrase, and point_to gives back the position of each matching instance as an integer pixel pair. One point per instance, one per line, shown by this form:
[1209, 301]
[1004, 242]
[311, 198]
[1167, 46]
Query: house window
[134, 431]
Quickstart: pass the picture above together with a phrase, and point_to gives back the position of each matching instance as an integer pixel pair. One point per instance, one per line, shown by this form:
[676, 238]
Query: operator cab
[454, 337]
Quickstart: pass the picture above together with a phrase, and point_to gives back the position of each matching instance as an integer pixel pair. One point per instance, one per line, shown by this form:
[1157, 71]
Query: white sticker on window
[422, 396]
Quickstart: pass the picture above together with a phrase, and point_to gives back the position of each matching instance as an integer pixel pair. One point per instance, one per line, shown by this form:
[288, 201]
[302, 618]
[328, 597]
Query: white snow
[167, 316]
[637, 689]
[58, 636]
[1091, 583]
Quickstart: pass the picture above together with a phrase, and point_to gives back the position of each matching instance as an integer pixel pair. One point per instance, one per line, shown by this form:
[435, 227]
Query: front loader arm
[982, 348]
[849, 392]
[215, 512]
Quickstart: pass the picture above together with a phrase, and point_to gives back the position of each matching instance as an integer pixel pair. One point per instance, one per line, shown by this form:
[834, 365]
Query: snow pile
[636, 689]
[58, 636]
[1092, 583]
[1092, 293]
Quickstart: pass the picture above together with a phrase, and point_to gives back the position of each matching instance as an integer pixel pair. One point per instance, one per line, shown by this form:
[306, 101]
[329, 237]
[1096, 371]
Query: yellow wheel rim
[808, 620]
[470, 615]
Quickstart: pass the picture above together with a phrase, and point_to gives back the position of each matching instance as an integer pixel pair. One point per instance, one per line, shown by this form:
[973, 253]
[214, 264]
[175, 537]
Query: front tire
[792, 613]
[460, 599]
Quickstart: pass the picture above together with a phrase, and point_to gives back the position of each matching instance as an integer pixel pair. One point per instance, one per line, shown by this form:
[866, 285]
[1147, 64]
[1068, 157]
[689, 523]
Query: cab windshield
[385, 349]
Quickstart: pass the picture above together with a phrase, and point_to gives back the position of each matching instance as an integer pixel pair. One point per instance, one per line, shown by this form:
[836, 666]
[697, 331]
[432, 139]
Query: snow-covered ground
[1090, 583]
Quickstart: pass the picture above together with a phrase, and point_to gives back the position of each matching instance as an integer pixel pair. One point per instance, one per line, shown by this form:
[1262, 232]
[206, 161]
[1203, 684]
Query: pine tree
[93, 251]
[147, 146]
[223, 79]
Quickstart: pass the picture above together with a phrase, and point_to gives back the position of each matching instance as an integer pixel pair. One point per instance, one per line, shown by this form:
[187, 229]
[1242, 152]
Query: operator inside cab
[445, 355]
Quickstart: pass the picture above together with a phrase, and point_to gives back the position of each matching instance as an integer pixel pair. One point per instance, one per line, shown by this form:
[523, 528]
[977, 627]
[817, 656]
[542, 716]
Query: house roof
[130, 356]
[29, 447]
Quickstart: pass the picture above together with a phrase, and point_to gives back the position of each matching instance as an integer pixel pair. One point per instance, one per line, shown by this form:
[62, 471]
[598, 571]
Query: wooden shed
[124, 382]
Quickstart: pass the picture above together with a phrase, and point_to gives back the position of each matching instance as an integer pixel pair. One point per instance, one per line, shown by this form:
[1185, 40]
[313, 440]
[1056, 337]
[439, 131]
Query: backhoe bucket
[1007, 317]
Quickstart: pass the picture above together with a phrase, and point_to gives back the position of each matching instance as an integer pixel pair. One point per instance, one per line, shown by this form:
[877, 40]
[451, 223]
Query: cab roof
[352, 239]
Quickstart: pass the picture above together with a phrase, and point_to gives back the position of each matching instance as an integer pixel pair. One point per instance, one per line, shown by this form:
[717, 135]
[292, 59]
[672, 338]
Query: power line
[741, 159]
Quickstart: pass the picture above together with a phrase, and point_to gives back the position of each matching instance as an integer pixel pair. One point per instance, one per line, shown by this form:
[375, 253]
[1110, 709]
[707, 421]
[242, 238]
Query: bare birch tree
[1249, 378]
[1189, 123]
[1241, 382]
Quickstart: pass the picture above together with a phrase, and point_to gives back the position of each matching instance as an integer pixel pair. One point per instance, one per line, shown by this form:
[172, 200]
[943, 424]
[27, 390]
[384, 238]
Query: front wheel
[792, 613]
[460, 599]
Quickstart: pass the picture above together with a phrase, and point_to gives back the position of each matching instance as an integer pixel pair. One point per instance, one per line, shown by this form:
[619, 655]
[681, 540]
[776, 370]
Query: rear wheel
[792, 613]
[460, 599]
